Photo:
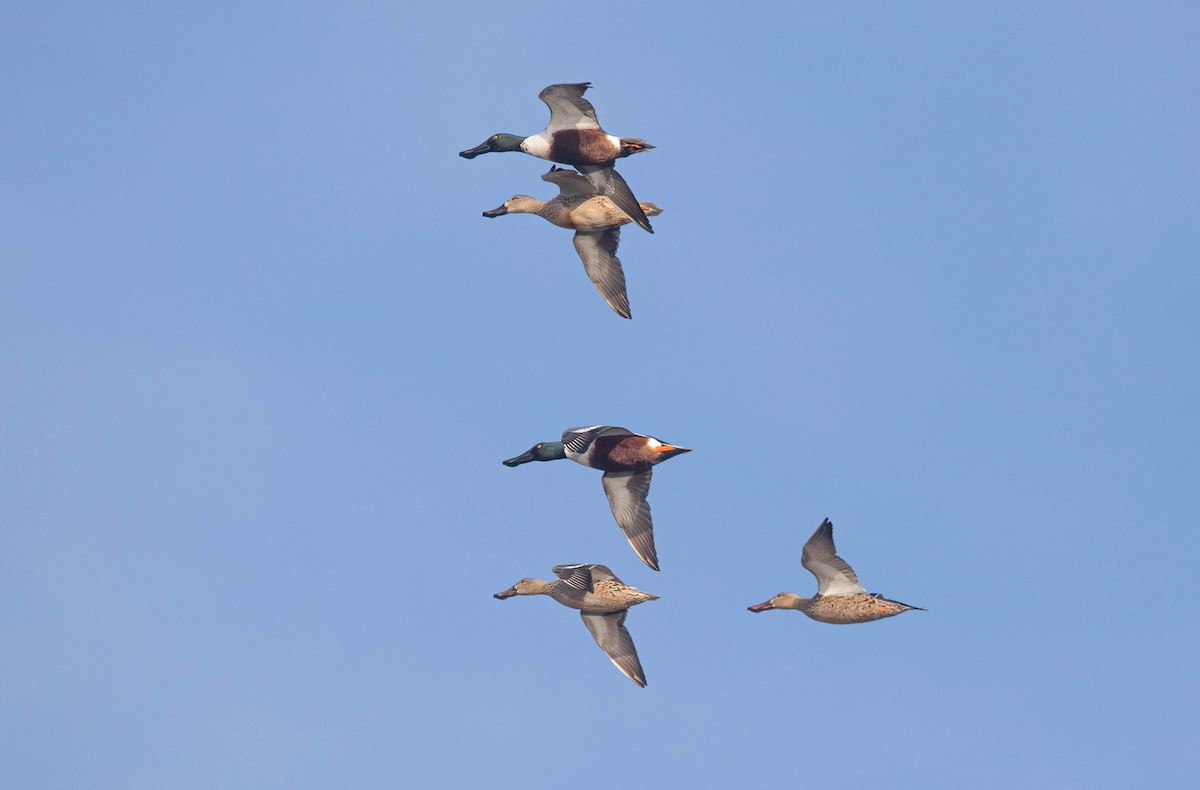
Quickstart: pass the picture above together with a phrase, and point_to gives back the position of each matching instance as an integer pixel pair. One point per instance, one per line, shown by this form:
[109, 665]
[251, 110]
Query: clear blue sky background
[928, 269]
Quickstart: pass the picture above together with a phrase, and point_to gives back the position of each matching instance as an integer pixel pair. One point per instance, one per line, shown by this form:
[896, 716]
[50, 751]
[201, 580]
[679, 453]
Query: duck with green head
[574, 137]
[626, 459]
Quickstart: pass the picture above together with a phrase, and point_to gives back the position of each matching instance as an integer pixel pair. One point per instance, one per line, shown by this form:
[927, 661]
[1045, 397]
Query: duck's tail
[633, 145]
[651, 209]
[904, 606]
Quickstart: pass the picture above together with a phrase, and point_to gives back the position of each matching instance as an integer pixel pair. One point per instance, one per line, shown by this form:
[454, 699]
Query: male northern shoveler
[603, 600]
[625, 458]
[597, 223]
[840, 598]
[574, 137]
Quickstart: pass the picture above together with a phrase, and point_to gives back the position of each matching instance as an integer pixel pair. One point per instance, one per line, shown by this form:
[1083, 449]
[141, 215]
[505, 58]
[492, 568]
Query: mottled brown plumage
[573, 137]
[840, 599]
[837, 609]
[602, 600]
[587, 213]
[597, 222]
[598, 591]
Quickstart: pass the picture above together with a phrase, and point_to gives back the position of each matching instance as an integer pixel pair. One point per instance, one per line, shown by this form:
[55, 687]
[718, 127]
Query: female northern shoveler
[574, 137]
[625, 458]
[597, 223]
[603, 600]
[840, 598]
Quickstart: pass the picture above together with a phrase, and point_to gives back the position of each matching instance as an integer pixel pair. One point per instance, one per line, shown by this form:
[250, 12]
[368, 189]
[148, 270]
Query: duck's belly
[589, 602]
[596, 214]
[848, 609]
[582, 147]
[622, 454]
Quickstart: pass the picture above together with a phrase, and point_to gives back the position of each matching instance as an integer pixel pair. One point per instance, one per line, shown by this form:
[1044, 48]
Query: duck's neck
[528, 205]
[541, 587]
[556, 212]
[796, 602]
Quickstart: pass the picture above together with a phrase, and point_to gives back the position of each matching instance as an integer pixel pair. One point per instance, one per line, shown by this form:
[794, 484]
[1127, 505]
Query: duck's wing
[598, 251]
[578, 440]
[578, 577]
[834, 574]
[627, 492]
[602, 572]
[608, 182]
[610, 633]
[583, 576]
[568, 108]
[570, 183]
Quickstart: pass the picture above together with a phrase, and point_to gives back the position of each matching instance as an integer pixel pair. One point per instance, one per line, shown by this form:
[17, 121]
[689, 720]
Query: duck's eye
[538, 447]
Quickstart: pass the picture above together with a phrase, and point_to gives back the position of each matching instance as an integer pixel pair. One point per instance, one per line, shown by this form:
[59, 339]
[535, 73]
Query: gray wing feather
[578, 577]
[627, 492]
[569, 183]
[834, 575]
[608, 182]
[610, 633]
[583, 575]
[602, 572]
[568, 108]
[578, 440]
[598, 251]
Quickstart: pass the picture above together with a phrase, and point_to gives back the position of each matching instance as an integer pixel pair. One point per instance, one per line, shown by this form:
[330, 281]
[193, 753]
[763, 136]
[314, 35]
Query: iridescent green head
[497, 142]
[542, 451]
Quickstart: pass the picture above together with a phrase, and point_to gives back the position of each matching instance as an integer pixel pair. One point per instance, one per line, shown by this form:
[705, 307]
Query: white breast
[537, 145]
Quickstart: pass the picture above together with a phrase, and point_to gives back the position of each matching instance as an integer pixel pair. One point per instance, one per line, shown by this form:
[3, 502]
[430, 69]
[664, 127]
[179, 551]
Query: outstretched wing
[610, 633]
[570, 183]
[578, 577]
[568, 108]
[627, 492]
[608, 182]
[602, 572]
[598, 251]
[834, 575]
[583, 576]
[578, 440]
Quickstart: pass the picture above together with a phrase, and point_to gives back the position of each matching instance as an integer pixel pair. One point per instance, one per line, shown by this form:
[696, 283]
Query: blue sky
[927, 269]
